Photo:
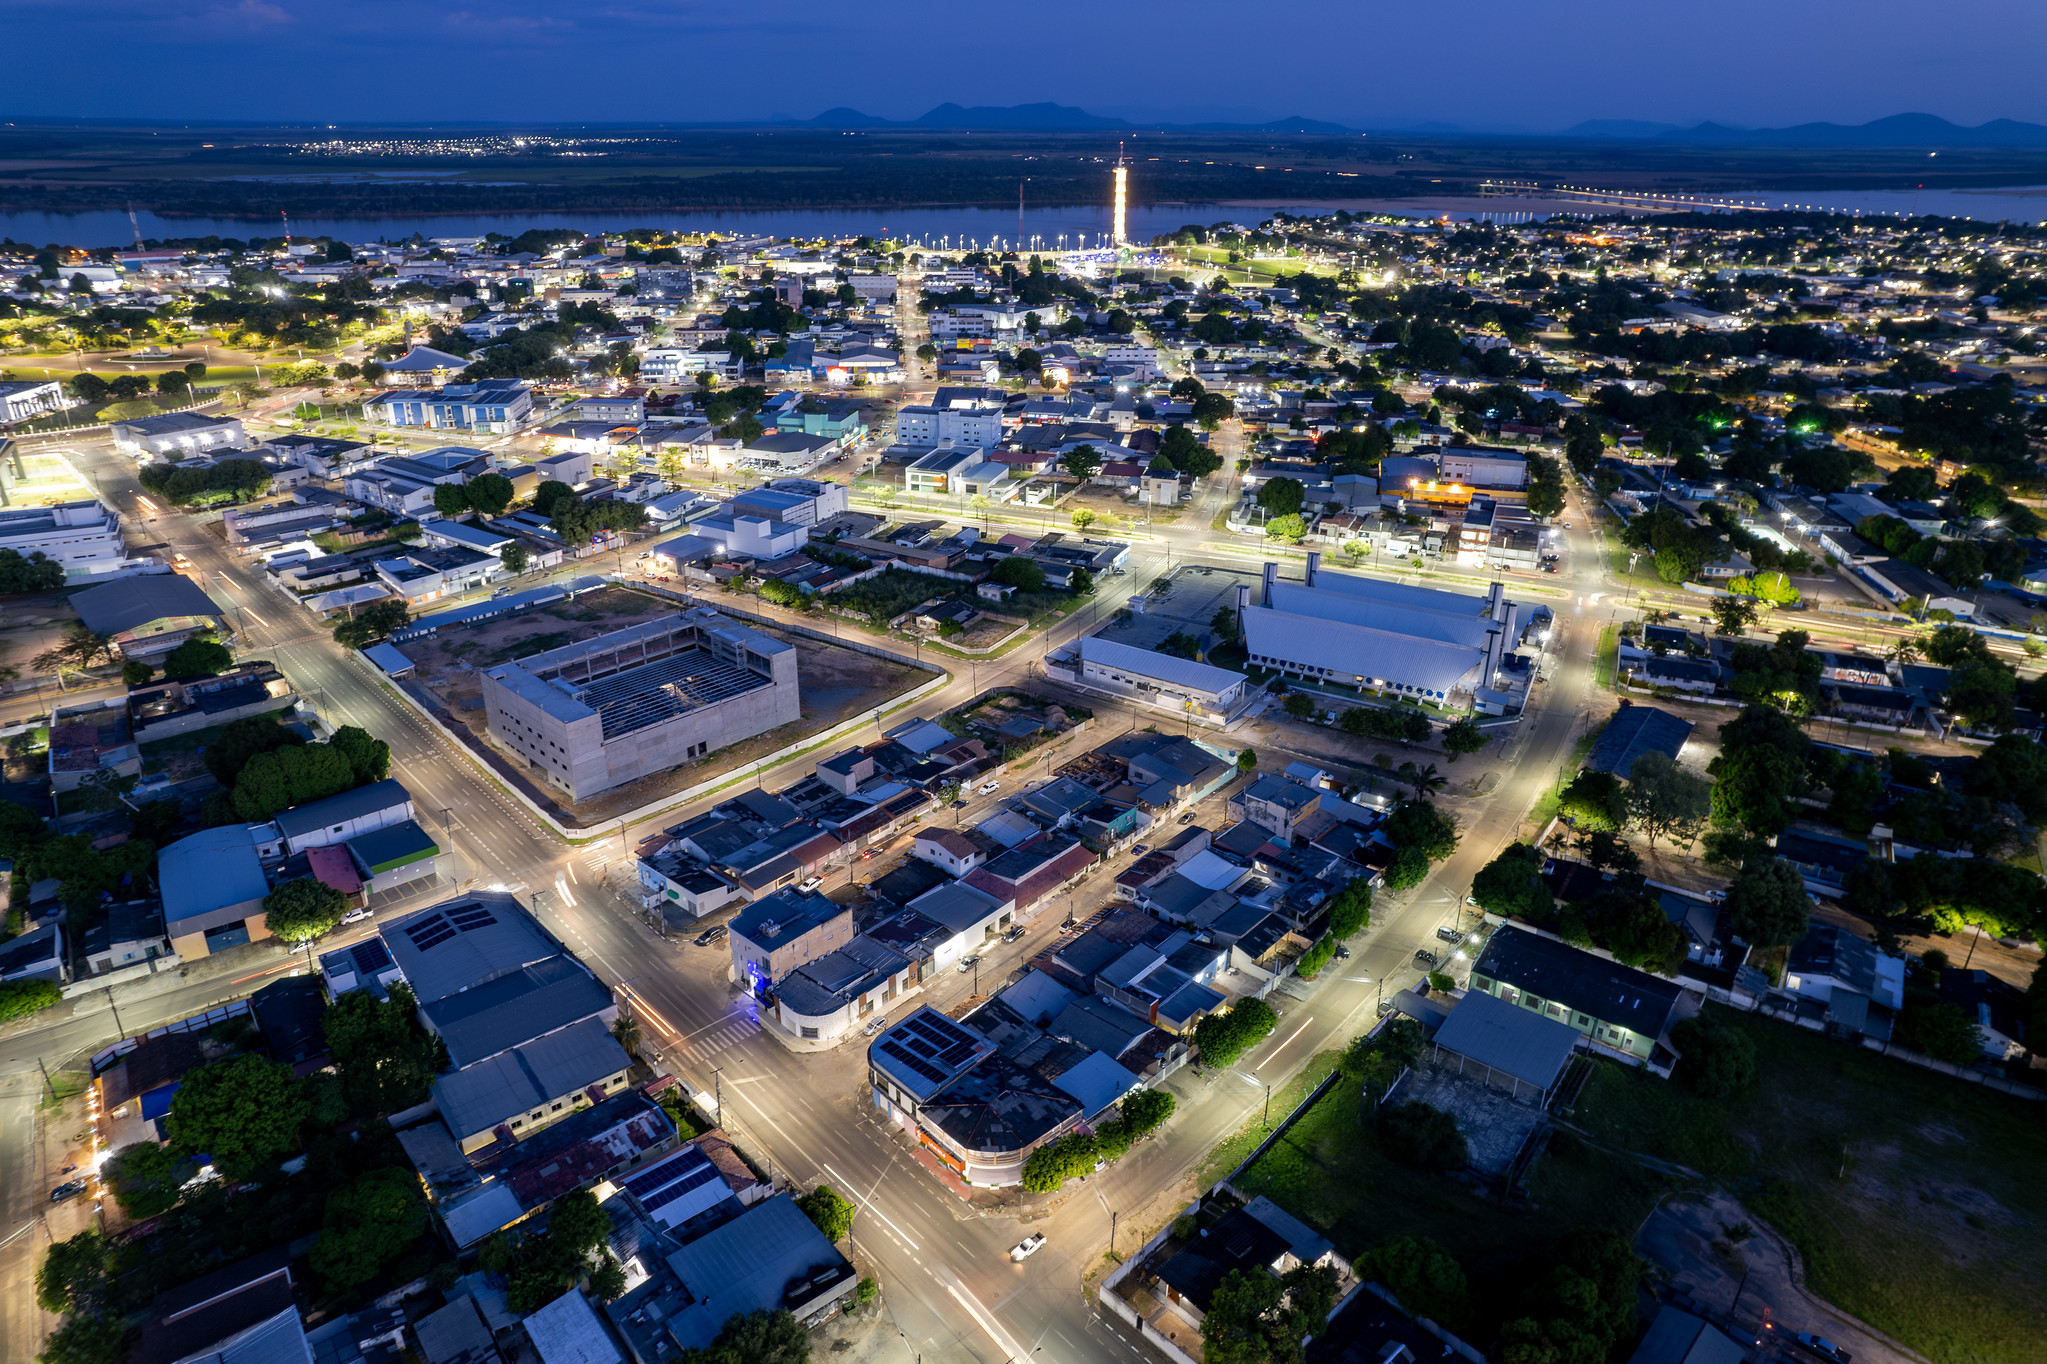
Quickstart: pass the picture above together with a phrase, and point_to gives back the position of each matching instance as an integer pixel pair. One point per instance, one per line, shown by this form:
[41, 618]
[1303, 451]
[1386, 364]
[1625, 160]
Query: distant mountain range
[1047, 118]
[1899, 130]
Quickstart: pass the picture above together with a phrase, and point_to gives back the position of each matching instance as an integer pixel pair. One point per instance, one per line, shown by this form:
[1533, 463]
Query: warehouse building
[595, 715]
[1422, 643]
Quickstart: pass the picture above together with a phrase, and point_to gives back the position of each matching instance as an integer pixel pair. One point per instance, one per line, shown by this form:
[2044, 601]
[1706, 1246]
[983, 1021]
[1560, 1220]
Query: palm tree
[626, 1032]
[1423, 778]
[1902, 651]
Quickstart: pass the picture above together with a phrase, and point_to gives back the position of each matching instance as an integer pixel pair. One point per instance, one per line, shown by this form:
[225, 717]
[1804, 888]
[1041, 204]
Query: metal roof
[209, 870]
[1596, 986]
[1360, 651]
[1097, 1082]
[464, 942]
[1508, 1038]
[1166, 668]
[1633, 731]
[114, 607]
[387, 794]
[751, 1263]
[513, 1083]
[512, 1008]
[567, 1331]
[1448, 618]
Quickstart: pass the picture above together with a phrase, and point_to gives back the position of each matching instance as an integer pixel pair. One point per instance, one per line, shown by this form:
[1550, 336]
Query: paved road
[948, 1281]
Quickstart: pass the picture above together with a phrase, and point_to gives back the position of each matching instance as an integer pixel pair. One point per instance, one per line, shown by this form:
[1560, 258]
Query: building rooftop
[1633, 731]
[1167, 668]
[1588, 984]
[313, 816]
[769, 1258]
[1516, 1041]
[209, 870]
[514, 1083]
[464, 942]
[784, 916]
[112, 608]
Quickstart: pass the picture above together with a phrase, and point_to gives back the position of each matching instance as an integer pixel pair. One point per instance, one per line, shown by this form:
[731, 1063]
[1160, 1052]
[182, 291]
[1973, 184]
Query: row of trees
[230, 480]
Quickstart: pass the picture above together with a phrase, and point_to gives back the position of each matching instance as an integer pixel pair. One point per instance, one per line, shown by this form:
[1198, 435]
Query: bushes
[1718, 1062]
[1316, 957]
[20, 998]
[832, 1214]
[1223, 1037]
[1425, 1278]
[196, 657]
[1374, 722]
[1052, 1164]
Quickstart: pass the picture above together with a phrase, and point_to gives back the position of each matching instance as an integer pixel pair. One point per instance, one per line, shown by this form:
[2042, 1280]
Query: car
[1824, 1348]
[987, 788]
[1424, 957]
[874, 1025]
[710, 935]
[867, 856]
[969, 963]
[812, 884]
[69, 1189]
[1449, 934]
[1342, 953]
[358, 914]
[1024, 1249]
[1472, 900]
[1139, 849]
[1187, 818]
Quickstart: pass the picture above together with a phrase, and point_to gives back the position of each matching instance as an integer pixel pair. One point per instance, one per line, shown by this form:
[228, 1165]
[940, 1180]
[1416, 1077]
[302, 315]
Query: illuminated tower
[1117, 236]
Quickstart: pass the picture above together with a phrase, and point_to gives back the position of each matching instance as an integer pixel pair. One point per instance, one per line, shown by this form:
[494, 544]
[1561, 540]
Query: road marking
[996, 1333]
[866, 1203]
[1282, 1046]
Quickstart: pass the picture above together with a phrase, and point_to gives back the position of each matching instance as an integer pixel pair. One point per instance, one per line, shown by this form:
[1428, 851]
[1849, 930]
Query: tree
[578, 1223]
[1257, 1318]
[242, 740]
[1350, 909]
[1422, 1276]
[285, 777]
[197, 657]
[832, 1214]
[1082, 519]
[145, 1178]
[135, 673]
[1020, 573]
[369, 757]
[1595, 802]
[1247, 760]
[1299, 705]
[73, 1276]
[243, 1112]
[1212, 410]
[302, 910]
[1282, 496]
[2015, 769]
[1423, 777]
[1767, 905]
[758, 1337]
[372, 622]
[1940, 1030]
[1578, 1301]
[1634, 928]
[1511, 884]
[1427, 1138]
[83, 1339]
[1667, 799]
[1734, 614]
[514, 558]
[1082, 462]
[368, 1223]
[36, 572]
[1224, 1036]
[1419, 825]
[1719, 1059]
[451, 499]
[80, 648]
[1463, 736]
[386, 1060]
[1290, 529]
[1760, 772]
[1049, 1167]
[488, 493]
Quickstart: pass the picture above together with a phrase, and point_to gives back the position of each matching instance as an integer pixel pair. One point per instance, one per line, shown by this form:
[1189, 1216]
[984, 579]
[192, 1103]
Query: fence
[213, 1017]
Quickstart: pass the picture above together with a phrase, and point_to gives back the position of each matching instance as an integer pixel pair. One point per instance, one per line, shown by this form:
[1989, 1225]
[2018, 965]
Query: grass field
[1916, 1199]
[1330, 1171]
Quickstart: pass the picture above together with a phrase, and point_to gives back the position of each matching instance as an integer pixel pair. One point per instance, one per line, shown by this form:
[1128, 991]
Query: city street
[943, 1264]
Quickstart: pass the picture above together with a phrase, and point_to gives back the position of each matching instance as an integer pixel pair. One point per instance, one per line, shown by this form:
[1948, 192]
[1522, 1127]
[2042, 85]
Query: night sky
[1508, 65]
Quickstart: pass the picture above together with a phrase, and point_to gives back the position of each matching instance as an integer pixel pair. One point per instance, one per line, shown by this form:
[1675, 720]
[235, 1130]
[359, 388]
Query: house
[126, 932]
[247, 1311]
[148, 617]
[38, 954]
[569, 1331]
[957, 851]
[1260, 1237]
[1276, 803]
[1845, 981]
[1627, 1012]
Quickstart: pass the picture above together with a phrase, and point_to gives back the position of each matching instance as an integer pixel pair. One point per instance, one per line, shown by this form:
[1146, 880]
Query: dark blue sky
[1506, 64]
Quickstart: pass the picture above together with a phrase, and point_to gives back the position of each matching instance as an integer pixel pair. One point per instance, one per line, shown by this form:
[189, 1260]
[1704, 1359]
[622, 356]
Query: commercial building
[495, 405]
[147, 617]
[83, 537]
[1166, 681]
[780, 932]
[956, 470]
[591, 716]
[176, 435]
[1420, 643]
[213, 889]
[27, 399]
[976, 426]
[1626, 1012]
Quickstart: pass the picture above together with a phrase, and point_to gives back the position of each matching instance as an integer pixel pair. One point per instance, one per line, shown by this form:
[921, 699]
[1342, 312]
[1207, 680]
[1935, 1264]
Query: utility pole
[117, 1014]
[718, 1092]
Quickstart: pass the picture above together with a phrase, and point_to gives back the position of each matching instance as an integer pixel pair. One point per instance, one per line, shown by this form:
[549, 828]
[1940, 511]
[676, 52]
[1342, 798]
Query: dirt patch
[32, 623]
[835, 683]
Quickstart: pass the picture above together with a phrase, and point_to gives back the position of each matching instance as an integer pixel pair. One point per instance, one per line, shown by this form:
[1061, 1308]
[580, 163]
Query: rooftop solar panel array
[652, 1179]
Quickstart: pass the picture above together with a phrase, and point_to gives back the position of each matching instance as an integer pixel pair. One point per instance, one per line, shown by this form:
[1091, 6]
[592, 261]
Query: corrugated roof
[1633, 731]
[513, 1083]
[1361, 651]
[1596, 986]
[1166, 668]
[209, 870]
[750, 1264]
[1445, 617]
[464, 942]
[363, 800]
[1097, 1082]
[1518, 1041]
[113, 607]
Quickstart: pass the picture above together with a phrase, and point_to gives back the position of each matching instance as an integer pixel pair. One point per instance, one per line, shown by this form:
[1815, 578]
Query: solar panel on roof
[370, 955]
[916, 1063]
[688, 1184]
[956, 1053]
[652, 1178]
[429, 932]
[470, 918]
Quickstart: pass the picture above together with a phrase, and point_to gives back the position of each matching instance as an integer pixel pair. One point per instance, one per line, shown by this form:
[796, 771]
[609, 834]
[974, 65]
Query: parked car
[1024, 1249]
[812, 884]
[1139, 849]
[969, 963]
[1342, 953]
[1187, 818]
[1013, 934]
[1824, 1348]
[155, 781]
[1424, 957]
[69, 1189]
[874, 1025]
[1449, 934]
[710, 935]
[358, 914]
[987, 788]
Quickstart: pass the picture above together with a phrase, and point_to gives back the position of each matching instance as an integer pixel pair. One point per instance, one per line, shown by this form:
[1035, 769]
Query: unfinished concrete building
[610, 710]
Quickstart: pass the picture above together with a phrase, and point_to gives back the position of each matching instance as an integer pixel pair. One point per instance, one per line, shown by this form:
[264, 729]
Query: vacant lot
[449, 660]
[1915, 1199]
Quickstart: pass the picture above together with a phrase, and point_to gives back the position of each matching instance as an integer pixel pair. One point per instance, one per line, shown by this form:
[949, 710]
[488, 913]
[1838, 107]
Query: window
[810, 1033]
[556, 1108]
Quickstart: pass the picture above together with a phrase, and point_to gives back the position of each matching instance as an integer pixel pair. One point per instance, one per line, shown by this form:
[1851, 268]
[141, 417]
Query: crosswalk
[721, 1037]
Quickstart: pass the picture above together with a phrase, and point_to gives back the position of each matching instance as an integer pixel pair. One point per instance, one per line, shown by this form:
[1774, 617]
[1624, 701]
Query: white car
[1024, 1249]
[987, 788]
[812, 884]
[357, 915]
